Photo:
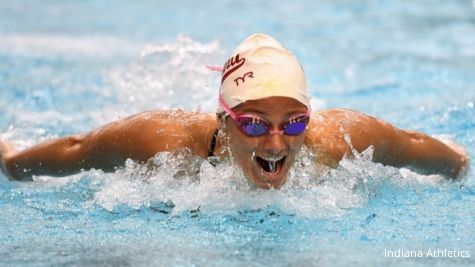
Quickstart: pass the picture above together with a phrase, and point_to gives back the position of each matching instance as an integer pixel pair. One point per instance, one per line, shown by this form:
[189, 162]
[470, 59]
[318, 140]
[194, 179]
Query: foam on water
[188, 183]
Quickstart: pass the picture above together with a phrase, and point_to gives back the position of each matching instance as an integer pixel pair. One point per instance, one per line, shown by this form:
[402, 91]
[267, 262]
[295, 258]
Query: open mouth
[271, 165]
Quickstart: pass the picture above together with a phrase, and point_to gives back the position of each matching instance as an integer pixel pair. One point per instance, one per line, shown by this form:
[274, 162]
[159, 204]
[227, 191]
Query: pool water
[68, 67]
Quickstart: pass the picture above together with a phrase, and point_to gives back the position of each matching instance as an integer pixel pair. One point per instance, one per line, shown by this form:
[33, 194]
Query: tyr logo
[243, 78]
[231, 66]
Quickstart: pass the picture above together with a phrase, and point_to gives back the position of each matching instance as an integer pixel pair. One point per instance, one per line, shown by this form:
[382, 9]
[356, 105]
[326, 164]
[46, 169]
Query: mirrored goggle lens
[295, 128]
[255, 128]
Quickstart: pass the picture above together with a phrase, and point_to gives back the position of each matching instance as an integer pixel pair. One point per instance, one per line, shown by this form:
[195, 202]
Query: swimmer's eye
[253, 126]
[295, 125]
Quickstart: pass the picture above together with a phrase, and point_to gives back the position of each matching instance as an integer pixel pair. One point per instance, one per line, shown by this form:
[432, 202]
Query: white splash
[191, 183]
[170, 75]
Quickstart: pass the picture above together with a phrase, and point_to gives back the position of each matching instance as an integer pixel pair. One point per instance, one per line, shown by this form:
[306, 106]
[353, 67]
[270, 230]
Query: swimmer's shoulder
[337, 114]
[327, 130]
[324, 138]
[329, 121]
[167, 130]
[196, 123]
[340, 118]
[176, 117]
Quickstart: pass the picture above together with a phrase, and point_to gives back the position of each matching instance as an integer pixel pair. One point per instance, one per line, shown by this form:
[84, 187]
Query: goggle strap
[227, 108]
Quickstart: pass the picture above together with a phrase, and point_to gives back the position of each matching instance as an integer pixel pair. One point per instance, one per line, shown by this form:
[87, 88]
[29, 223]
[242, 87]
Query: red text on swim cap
[231, 66]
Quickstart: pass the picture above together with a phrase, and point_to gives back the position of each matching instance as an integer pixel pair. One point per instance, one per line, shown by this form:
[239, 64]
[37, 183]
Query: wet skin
[142, 136]
[246, 150]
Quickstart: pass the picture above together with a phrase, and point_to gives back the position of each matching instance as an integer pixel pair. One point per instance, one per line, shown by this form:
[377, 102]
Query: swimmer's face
[254, 154]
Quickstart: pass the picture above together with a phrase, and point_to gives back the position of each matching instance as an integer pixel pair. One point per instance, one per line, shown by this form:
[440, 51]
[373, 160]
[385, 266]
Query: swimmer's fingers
[6, 148]
[465, 160]
[464, 156]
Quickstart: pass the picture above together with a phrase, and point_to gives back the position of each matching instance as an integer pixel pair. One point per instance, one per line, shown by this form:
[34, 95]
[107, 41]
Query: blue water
[70, 66]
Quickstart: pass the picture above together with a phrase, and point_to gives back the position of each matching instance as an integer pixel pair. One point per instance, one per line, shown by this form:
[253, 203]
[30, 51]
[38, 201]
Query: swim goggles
[254, 126]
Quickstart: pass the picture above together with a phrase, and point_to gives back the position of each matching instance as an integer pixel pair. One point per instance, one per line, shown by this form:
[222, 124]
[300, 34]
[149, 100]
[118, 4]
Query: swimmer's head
[261, 67]
[265, 82]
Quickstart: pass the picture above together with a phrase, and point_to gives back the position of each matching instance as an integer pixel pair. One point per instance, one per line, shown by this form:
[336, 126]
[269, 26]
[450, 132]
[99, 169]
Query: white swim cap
[261, 67]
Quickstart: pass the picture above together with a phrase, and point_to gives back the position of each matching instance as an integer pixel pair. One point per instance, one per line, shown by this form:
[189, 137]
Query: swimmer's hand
[5, 150]
[463, 154]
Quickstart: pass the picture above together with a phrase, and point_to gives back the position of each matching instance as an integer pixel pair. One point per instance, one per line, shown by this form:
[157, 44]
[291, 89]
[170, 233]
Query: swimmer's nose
[275, 144]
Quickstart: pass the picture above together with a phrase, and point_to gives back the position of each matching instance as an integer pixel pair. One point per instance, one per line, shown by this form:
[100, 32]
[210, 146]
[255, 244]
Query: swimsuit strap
[213, 144]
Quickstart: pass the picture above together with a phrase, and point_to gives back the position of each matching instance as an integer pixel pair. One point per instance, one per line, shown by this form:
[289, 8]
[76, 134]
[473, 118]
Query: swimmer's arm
[392, 146]
[138, 138]
[59, 157]
[101, 149]
[428, 155]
